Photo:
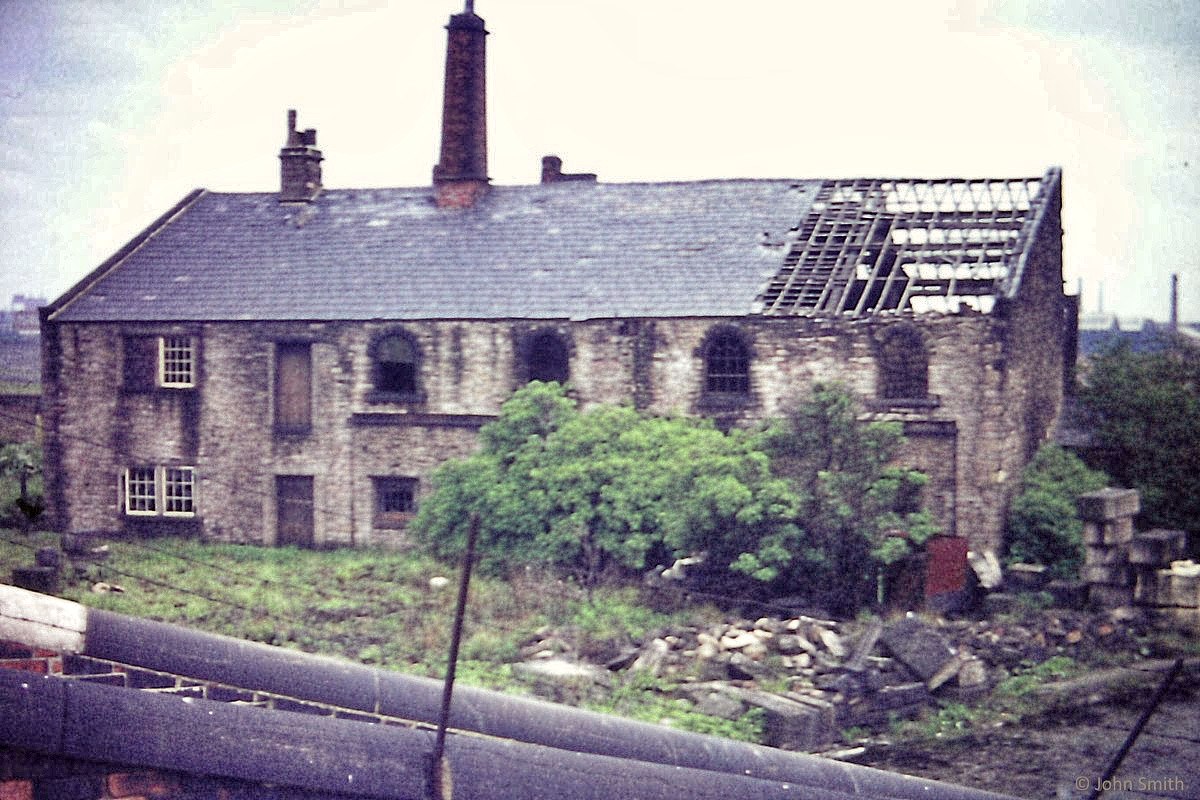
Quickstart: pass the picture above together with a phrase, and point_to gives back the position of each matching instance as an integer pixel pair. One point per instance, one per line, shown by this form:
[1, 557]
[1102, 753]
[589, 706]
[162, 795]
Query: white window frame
[171, 485]
[146, 479]
[183, 481]
[177, 362]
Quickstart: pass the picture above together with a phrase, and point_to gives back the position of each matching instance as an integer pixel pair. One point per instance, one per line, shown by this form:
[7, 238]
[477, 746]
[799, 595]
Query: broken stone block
[708, 646]
[1158, 547]
[1110, 574]
[720, 704]
[943, 675]
[1025, 577]
[864, 647]
[1106, 554]
[986, 567]
[736, 639]
[557, 672]
[918, 646]
[1104, 534]
[972, 673]
[832, 643]
[890, 702]
[1108, 504]
[741, 667]
[652, 657]
[622, 660]
[793, 644]
[1068, 594]
[1148, 587]
[1180, 589]
[793, 723]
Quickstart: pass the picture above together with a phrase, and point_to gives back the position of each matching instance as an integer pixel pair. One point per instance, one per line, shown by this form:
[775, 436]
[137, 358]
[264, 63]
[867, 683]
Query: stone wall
[971, 434]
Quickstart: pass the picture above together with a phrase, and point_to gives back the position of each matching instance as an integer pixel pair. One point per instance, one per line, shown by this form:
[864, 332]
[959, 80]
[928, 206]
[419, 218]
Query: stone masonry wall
[970, 436]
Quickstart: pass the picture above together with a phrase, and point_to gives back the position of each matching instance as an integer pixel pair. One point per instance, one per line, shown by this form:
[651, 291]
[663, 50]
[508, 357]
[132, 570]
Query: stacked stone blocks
[1108, 539]
[1164, 581]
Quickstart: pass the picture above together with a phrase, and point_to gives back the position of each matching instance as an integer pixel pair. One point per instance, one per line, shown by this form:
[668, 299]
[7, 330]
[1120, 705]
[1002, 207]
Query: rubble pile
[812, 678]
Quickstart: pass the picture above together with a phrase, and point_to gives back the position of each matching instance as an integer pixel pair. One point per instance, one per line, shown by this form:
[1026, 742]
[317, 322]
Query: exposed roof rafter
[873, 245]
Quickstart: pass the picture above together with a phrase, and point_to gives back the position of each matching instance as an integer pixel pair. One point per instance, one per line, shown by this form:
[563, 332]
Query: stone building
[289, 367]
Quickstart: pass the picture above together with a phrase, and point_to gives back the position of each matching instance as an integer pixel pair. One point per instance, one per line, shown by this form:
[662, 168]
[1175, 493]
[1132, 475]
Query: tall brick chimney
[299, 164]
[460, 177]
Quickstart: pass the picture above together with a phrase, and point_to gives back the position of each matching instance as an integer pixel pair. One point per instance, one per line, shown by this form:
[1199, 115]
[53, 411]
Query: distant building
[290, 367]
[21, 317]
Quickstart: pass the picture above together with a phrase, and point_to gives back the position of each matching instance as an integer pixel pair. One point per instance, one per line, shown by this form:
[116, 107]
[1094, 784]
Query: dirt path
[1064, 757]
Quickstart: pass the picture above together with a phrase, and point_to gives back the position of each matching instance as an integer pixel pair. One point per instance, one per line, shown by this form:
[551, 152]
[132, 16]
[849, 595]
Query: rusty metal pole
[1115, 764]
[437, 774]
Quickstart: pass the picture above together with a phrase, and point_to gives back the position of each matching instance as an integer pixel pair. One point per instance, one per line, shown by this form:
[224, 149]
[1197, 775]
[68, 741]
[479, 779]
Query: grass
[377, 607]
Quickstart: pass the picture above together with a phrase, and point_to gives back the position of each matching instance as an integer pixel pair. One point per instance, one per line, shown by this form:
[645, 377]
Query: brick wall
[992, 383]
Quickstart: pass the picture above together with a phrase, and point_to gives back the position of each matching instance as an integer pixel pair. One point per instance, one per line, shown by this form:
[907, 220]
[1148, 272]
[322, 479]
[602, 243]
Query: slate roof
[571, 250]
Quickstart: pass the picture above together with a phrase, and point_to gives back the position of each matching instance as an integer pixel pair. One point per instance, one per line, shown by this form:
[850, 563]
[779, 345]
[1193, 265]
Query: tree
[858, 511]
[606, 488]
[805, 505]
[1043, 526]
[1146, 408]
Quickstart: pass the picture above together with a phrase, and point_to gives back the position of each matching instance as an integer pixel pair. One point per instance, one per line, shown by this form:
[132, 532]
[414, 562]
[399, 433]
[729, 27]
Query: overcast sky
[110, 112]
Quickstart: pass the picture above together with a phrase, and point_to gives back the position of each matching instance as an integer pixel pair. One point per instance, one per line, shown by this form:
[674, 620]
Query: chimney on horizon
[1174, 302]
[299, 164]
[460, 177]
[552, 172]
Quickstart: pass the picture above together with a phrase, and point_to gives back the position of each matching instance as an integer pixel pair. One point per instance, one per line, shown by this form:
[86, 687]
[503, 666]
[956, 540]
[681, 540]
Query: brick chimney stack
[460, 177]
[299, 164]
[552, 172]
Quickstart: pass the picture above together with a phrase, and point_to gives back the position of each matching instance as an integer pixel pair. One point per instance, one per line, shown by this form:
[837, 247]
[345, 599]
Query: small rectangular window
[176, 362]
[141, 493]
[395, 501]
[152, 362]
[179, 491]
[154, 491]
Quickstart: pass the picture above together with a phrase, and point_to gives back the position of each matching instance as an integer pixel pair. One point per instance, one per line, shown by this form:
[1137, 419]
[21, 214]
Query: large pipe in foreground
[116, 728]
[62, 625]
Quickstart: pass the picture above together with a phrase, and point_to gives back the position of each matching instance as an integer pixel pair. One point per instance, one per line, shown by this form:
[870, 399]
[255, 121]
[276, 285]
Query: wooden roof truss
[869, 246]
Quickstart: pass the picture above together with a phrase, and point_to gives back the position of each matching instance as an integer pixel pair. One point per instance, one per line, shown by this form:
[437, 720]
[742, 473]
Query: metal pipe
[28, 617]
[437, 773]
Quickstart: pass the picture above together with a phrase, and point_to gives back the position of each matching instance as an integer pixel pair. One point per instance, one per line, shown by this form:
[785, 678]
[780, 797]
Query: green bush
[1043, 527]
[607, 490]
[806, 506]
[852, 500]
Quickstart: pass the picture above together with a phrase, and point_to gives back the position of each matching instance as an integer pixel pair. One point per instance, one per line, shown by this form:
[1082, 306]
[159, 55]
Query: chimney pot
[552, 172]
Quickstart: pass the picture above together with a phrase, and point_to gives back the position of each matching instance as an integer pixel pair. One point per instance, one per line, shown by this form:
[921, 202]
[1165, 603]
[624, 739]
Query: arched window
[726, 364]
[395, 365]
[549, 359]
[904, 366]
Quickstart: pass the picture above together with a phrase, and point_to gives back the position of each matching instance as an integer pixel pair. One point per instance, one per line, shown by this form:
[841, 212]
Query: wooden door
[294, 510]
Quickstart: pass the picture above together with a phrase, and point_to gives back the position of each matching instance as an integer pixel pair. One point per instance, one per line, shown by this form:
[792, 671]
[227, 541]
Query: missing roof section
[874, 245]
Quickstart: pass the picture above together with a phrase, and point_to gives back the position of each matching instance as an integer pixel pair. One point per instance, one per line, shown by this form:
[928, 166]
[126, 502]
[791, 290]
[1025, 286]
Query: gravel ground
[1066, 755]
